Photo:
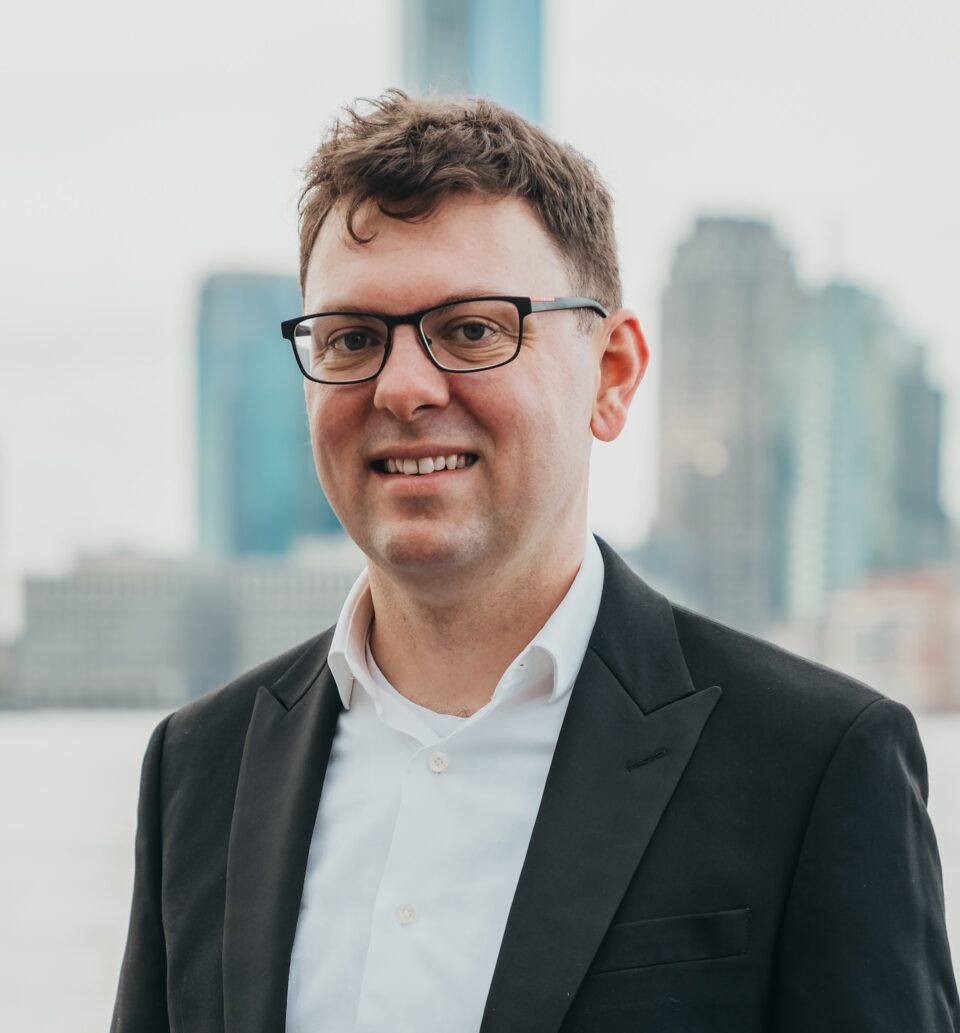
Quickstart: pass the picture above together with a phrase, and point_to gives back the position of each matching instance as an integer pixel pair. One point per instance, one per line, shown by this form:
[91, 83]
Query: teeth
[431, 464]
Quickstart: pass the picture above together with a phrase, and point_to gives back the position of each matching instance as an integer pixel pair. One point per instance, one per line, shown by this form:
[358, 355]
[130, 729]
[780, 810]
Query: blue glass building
[257, 489]
[488, 48]
[864, 432]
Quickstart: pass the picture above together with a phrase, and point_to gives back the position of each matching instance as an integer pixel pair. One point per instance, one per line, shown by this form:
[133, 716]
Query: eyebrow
[464, 294]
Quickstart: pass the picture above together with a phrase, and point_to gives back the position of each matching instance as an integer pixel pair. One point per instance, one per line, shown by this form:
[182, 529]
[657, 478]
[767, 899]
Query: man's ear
[622, 365]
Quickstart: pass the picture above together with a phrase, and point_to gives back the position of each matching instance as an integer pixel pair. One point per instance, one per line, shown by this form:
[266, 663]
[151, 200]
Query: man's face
[525, 427]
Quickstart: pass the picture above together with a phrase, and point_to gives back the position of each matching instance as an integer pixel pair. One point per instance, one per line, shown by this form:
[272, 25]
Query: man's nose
[409, 383]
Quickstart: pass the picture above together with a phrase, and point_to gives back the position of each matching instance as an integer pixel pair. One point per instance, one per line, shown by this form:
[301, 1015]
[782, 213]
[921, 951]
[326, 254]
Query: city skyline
[119, 201]
[771, 496]
[804, 444]
[217, 285]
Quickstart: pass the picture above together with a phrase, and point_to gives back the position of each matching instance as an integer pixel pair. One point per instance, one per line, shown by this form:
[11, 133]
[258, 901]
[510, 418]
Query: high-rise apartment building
[257, 489]
[727, 312]
[489, 48]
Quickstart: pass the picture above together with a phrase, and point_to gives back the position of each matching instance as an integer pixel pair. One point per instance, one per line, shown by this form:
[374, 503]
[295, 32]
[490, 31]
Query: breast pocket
[659, 941]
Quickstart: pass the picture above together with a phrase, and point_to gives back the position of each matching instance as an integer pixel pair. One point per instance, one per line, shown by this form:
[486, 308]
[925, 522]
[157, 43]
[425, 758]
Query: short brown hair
[408, 155]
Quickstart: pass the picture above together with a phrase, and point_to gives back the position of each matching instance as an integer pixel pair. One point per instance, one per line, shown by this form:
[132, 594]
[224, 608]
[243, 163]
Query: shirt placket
[400, 964]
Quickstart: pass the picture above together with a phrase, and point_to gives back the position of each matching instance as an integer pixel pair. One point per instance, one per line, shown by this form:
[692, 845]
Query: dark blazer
[731, 840]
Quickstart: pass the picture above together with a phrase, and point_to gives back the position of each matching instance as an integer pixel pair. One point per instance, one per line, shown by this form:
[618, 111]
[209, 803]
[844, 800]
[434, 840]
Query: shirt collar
[346, 658]
[562, 641]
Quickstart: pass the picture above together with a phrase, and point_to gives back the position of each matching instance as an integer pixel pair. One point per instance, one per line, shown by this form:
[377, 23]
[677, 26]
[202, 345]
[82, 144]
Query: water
[66, 857]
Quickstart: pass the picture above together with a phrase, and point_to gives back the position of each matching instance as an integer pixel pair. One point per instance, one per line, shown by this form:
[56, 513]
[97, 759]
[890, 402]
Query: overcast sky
[143, 147]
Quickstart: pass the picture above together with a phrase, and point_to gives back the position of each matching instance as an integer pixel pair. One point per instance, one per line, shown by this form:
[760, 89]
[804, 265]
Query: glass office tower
[864, 429]
[257, 490]
[727, 311]
[488, 48]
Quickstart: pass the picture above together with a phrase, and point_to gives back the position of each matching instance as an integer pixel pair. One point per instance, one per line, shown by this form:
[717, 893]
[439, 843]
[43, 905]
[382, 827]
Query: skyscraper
[800, 437]
[862, 427]
[727, 311]
[489, 48]
[923, 532]
[257, 490]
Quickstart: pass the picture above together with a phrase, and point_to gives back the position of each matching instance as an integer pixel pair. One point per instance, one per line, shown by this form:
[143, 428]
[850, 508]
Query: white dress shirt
[422, 828]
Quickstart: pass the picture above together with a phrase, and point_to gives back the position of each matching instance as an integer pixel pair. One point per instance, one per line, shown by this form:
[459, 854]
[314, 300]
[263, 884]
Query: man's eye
[471, 332]
[351, 341]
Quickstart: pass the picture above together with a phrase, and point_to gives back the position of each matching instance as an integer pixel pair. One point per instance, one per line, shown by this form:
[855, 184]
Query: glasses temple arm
[556, 304]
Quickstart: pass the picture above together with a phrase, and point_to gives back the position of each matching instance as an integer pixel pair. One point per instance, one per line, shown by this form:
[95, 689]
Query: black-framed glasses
[464, 336]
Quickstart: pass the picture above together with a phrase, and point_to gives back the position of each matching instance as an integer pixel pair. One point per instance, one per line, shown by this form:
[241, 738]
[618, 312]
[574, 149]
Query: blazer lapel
[284, 762]
[631, 726]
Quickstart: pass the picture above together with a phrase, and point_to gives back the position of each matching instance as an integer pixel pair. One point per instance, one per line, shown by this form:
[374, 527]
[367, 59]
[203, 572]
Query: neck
[449, 652]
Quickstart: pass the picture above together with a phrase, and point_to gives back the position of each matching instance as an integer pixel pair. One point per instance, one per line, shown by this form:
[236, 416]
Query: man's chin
[425, 550]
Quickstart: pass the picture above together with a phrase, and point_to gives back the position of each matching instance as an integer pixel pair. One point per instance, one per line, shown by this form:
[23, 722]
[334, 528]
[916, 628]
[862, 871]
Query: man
[514, 789]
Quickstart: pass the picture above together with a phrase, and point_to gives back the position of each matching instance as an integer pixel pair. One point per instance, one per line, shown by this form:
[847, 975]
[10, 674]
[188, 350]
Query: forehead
[468, 245]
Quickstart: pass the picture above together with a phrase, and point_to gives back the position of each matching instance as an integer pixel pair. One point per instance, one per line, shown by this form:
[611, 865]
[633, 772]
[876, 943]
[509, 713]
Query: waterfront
[66, 856]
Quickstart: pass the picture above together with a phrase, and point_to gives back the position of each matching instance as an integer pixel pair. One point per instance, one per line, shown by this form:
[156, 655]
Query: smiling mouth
[427, 465]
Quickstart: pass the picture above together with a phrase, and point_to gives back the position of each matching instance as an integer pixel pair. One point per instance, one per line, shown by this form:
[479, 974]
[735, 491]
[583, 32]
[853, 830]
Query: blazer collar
[636, 637]
[278, 790]
[632, 724]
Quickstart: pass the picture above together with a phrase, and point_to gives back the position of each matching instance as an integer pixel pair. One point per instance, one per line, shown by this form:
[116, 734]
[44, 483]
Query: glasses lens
[340, 346]
[473, 334]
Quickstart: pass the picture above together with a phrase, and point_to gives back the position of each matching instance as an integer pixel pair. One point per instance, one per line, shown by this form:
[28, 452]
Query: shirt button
[406, 914]
[438, 763]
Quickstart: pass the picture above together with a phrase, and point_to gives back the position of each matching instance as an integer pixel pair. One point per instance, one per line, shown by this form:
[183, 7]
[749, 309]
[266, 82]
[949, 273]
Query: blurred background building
[731, 300]
[861, 429]
[257, 490]
[489, 48]
[136, 631]
[122, 631]
[800, 459]
[898, 632]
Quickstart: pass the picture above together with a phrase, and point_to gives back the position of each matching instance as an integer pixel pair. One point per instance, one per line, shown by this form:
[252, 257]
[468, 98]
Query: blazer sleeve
[141, 1004]
[863, 942]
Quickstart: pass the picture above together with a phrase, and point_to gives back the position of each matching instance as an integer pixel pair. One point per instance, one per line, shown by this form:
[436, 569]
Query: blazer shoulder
[767, 675]
[649, 642]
